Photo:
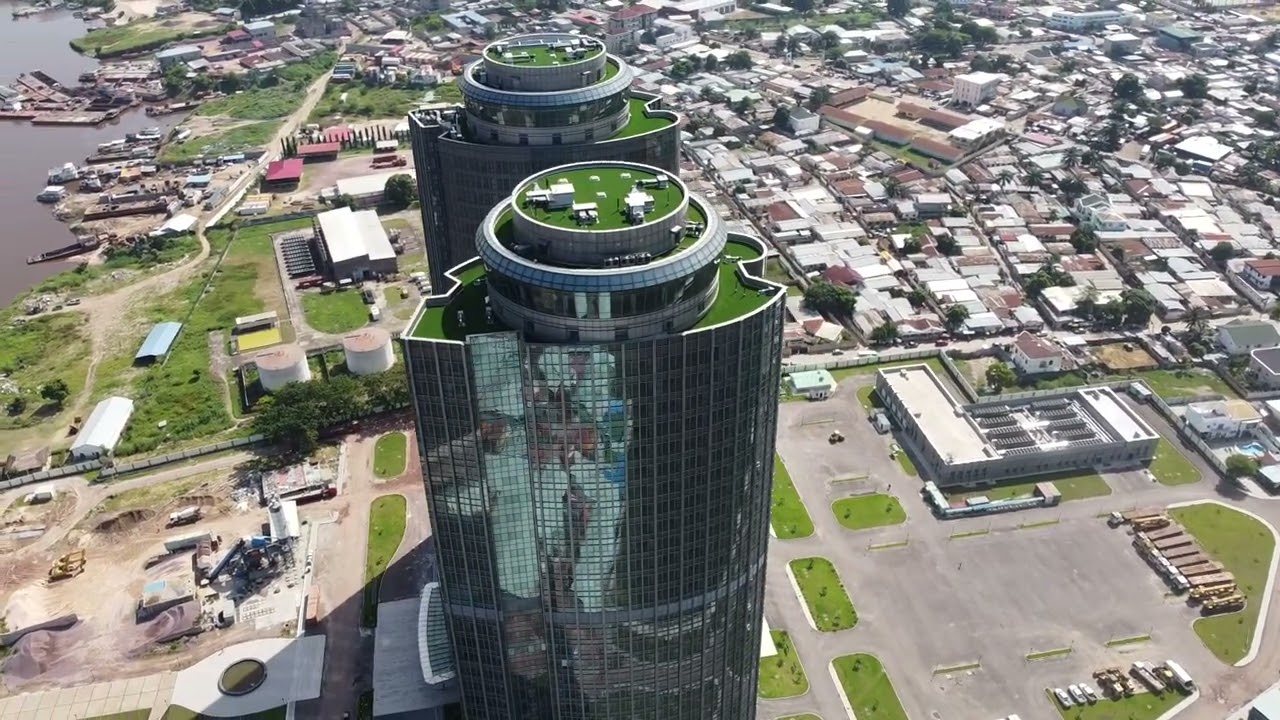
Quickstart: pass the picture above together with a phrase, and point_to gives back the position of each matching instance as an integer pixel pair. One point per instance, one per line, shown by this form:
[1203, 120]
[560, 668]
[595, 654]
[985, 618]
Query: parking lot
[991, 597]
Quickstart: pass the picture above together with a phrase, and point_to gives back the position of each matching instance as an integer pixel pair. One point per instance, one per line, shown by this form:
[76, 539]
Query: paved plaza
[1012, 585]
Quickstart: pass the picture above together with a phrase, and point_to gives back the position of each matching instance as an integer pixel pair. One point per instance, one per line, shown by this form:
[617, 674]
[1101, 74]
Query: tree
[1071, 157]
[1128, 87]
[947, 245]
[892, 186]
[918, 298]
[711, 63]
[1222, 252]
[1194, 86]
[344, 200]
[648, 38]
[823, 296]
[55, 391]
[819, 97]
[401, 191]
[1139, 306]
[1084, 240]
[1005, 175]
[1239, 466]
[740, 60]
[884, 334]
[1000, 376]
[175, 80]
[899, 8]
[955, 316]
[782, 116]
[1197, 323]
[911, 245]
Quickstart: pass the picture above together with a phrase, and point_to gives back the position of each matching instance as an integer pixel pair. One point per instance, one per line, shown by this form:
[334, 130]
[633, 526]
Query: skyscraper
[531, 102]
[596, 400]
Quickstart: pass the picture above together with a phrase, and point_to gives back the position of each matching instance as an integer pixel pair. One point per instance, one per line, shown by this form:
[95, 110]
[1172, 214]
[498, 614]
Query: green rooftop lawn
[541, 55]
[733, 300]
[615, 182]
[640, 123]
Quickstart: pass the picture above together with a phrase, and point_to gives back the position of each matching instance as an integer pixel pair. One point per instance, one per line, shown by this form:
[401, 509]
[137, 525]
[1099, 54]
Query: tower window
[524, 139]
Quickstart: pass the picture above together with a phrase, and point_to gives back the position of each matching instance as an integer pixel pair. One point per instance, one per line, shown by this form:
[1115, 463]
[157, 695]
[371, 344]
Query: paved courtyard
[990, 598]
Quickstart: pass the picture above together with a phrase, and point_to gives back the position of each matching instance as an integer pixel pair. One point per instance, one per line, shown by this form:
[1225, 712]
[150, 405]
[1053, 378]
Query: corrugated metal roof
[103, 429]
[158, 341]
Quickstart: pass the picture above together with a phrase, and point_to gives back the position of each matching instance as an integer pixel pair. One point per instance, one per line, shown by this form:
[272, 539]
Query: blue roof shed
[158, 342]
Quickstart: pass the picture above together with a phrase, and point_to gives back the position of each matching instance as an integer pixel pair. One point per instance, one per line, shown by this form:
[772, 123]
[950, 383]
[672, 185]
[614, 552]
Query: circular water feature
[242, 677]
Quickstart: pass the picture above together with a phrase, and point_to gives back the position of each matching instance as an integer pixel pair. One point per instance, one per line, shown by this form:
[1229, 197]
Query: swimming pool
[1253, 450]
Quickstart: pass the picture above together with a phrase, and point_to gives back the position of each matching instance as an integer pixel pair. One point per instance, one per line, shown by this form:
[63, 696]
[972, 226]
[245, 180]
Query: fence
[1188, 437]
[108, 472]
[863, 361]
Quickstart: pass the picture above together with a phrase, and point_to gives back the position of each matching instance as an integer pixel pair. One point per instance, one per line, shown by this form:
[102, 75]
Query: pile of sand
[176, 622]
[126, 520]
[39, 652]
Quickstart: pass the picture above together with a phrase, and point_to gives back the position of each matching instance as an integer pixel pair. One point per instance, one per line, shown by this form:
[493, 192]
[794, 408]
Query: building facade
[975, 88]
[596, 402]
[530, 103]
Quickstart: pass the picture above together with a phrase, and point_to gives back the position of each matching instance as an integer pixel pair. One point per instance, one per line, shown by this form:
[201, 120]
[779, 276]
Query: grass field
[1245, 547]
[868, 398]
[39, 351]
[805, 716]
[788, 517]
[228, 142]
[904, 460]
[829, 604]
[356, 100]
[136, 37]
[1072, 487]
[336, 312]
[260, 104]
[869, 511]
[386, 530]
[1181, 383]
[1143, 706]
[782, 675]
[182, 393]
[153, 496]
[259, 339]
[1171, 467]
[868, 688]
[389, 455]
[640, 123]
[126, 715]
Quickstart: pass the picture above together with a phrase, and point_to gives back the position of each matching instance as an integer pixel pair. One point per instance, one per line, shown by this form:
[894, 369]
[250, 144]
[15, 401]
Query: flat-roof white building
[101, 432]
[975, 88]
[987, 442]
[354, 244]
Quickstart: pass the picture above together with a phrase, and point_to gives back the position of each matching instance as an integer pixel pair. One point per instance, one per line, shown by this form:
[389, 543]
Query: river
[39, 42]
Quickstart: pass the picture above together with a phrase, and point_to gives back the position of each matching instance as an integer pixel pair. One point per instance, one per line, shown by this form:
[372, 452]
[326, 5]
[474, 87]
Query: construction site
[116, 581]
[1180, 561]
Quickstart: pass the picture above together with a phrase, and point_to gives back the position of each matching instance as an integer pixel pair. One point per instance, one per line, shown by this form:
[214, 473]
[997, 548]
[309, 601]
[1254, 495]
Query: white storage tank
[282, 365]
[369, 351]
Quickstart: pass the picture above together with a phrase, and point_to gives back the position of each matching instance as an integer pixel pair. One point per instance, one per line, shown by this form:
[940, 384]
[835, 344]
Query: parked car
[1089, 693]
[1063, 698]
[1077, 694]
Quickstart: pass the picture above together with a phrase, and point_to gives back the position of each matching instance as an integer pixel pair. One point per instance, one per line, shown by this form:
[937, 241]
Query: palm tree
[1071, 157]
[1035, 176]
[892, 187]
[1005, 175]
[1197, 323]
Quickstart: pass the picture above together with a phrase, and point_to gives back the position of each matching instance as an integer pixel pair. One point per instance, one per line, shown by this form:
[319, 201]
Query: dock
[83, 245]
[101, 212]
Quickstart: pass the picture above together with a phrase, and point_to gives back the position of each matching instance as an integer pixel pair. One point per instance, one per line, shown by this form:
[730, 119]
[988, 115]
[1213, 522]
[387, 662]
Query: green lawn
[39, 351]
[612, 181]
[180, 713]
[869, 511]
[934, 363]
[1181, 383]
[127, 715]
[542, 55]
[1072, 487]
[1244, 546]
[829, 604]
[640, 123]
[805, 716]
[386, 530]
[782, 675]
[868, 398]
[734, 298]
[867, 686]
[235, 140]
[389, 455]
[1143, 706]
[136, 37]
[789, 517]
[1171, 467]
[335, 312]
[908, 467]
[260, 104]
[357, 100]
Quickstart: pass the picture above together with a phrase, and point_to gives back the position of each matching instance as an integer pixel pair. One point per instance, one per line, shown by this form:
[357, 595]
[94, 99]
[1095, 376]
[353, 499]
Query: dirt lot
[320, 175]
[118, 536]
[874, 109]
[1124, 356]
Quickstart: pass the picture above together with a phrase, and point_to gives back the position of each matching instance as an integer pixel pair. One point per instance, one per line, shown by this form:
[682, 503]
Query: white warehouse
[101, 432]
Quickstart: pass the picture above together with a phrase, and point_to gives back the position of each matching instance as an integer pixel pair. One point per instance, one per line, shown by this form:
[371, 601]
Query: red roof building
[288, 170]
[319, 150]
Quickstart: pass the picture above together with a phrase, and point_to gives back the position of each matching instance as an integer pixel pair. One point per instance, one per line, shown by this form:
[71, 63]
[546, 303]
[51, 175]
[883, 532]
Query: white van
[375, 313]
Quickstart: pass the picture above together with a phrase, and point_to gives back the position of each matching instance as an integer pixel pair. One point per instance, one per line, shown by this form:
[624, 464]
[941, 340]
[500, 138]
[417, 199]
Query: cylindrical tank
[368, 351]
[282, 365]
